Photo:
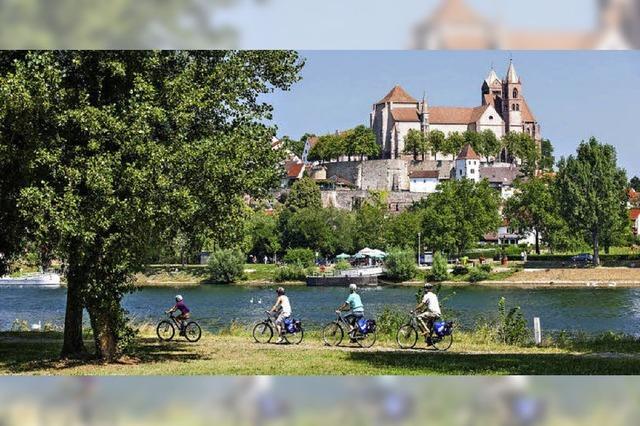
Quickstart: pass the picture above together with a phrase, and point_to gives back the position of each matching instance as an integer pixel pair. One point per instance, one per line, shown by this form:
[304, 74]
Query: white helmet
[353, 287]
[178, 298]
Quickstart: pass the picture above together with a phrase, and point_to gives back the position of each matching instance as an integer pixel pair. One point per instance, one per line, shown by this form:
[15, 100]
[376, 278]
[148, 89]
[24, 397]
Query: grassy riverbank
[194, 275]
[234, 353]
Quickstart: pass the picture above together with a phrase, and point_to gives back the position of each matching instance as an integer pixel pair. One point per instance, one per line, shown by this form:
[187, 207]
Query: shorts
[429, 316]
[281, 317]
[352, 317]
[184, 317]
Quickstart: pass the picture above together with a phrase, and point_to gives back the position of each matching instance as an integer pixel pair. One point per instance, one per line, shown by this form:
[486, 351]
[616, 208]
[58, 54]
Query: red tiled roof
[405, 115]
[527, 115]
[467, 153]
[397, 94]
[293, 169]
[634, 213]
[424, 174]
[455, 115]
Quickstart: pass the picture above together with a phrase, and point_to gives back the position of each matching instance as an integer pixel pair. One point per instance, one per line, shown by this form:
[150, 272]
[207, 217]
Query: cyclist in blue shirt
[353, 304]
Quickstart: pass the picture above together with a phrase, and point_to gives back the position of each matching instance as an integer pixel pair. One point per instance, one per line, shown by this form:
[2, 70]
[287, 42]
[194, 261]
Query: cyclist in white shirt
[429, 309]
[283, 307]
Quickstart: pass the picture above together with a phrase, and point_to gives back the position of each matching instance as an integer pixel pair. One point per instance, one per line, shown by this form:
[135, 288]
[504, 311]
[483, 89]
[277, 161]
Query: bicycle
[292, 332]
[408, 333]
[166, 329]
[333, 333]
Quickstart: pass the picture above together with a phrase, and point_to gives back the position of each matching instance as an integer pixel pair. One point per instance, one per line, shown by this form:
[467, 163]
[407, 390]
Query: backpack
[371, 326]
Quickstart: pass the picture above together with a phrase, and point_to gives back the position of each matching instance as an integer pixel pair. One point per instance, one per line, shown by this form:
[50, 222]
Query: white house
[468, 164]
[424, 181]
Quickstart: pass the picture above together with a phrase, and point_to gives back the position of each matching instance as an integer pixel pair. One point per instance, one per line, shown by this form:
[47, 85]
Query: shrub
[304, 257]
[512, 327]
[460, 270]
[401, 265]
[342, 265]
[390, 320]
[226, 266]
[293, 272]
[439, 270]
[478, 274]
[486, 267]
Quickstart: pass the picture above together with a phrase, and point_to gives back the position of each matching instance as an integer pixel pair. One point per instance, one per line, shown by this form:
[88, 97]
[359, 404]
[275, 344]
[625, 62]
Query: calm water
[592, 310]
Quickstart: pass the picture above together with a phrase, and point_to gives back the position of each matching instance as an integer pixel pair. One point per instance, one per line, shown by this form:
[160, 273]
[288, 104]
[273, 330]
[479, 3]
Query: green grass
[190, 275]
[234, 353]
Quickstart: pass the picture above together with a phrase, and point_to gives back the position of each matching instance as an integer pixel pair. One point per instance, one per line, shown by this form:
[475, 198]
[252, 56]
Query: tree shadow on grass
[40, 355]
[451, 363]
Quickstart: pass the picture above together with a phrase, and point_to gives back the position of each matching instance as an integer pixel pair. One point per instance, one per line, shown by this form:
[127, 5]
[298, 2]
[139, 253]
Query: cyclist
[185, 313]
[428, 310]
[354, 304]
[283, 308]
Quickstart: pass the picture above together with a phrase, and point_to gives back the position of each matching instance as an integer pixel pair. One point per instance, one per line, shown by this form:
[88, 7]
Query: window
[491, 117]
[517, 107]
[515, 93]
[471, 171]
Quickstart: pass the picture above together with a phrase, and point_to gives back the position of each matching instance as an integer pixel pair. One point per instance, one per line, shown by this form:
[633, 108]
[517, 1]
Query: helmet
[353, 287]
[178, 298]
[428, 286]
[280, 291]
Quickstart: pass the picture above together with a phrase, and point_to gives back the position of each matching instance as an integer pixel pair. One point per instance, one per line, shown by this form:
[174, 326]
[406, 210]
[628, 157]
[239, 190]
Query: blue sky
[380, 24]
[574, 95]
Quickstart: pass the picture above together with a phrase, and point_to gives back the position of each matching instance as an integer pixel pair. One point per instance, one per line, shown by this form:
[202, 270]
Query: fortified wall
[397, 201]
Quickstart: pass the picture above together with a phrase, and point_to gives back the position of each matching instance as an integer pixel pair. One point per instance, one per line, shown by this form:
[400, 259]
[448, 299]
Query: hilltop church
[503, 109]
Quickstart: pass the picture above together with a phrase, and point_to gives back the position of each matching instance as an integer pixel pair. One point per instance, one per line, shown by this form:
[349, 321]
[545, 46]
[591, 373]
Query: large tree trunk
[537, 242]
[73, 346]
[596, 249]
[104, 333]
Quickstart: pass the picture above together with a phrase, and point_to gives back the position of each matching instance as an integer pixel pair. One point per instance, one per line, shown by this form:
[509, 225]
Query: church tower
[513, 101]
[492, 90]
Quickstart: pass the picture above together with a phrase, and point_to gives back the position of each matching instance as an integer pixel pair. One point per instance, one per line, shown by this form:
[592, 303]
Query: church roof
[512, 76]
[467, 153]
[455, 115]
[527, 115]
[405, 115]
[397, 94]
[455, 12]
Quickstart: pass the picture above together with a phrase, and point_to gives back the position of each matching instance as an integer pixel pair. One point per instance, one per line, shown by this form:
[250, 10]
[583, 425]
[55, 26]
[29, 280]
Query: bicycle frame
[340, 320]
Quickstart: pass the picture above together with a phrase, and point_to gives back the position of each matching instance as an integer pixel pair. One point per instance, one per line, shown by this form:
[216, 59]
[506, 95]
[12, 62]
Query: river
[591, 310]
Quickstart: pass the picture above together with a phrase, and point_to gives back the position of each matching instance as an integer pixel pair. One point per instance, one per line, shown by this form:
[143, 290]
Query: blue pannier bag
[440, 327]
[289, 325]
[362, 323]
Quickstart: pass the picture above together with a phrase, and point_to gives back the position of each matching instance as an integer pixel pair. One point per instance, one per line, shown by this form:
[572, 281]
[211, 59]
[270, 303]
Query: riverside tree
[592, 192]
[533, 208]
[111, 148]
[459, 214]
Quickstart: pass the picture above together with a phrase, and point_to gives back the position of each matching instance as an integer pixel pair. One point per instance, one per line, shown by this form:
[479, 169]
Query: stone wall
[397, 201]
[387, 175]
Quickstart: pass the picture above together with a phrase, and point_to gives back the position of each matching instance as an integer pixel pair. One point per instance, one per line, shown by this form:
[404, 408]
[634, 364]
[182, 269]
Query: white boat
[46, 280]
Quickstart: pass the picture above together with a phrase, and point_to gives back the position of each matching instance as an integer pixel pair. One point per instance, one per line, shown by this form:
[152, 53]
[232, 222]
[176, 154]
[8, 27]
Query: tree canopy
[592, 193]
[459, 215]
[103, 150]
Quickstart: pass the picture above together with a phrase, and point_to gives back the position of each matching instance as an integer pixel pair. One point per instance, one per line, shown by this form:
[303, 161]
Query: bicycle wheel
[407, 336]
[332, 334]
[366, 340]
[295, 338]
[192, 331]
[262, 332]
[165, 330]
[442, 343]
